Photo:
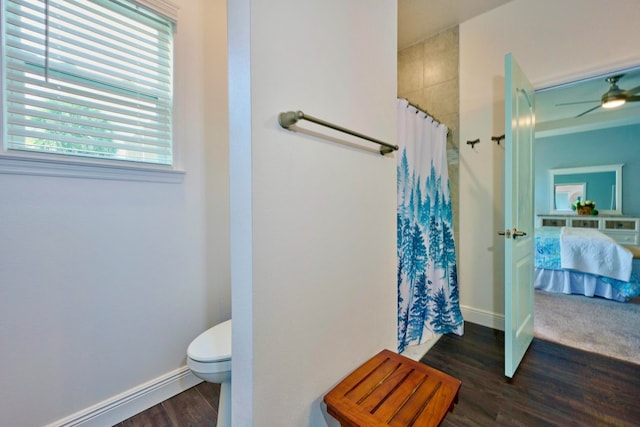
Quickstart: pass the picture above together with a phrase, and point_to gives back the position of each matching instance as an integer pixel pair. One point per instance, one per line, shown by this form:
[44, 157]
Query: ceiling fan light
[614, 98]
[613, 103]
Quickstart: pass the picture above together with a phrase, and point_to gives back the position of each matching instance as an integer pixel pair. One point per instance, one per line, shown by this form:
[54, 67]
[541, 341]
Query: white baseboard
[132, 401]
[482, 317]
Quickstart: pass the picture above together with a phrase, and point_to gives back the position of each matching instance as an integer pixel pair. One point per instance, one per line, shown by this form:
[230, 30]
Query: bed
[583, 261]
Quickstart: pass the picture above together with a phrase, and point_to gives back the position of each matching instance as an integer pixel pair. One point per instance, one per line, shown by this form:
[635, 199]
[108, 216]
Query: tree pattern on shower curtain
[428, 299]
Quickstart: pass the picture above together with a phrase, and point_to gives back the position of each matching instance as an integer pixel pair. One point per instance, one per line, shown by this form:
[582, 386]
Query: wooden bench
[393, 390]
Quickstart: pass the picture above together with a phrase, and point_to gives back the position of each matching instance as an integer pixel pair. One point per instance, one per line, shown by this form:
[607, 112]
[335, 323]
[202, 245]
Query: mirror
[600, 184]
[568, 194]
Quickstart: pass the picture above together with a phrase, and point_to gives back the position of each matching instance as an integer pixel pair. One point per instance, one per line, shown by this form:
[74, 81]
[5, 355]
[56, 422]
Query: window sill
[71, 168]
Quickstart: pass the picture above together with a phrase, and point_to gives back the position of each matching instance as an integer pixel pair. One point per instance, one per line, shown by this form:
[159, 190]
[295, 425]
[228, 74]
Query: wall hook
[473, 143]
[497, 138]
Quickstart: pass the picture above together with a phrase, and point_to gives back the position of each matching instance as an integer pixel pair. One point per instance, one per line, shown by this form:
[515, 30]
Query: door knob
[517, 233]
[506, 233]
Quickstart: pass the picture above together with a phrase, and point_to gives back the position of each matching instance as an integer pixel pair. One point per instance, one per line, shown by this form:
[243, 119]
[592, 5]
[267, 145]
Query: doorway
[573, 131]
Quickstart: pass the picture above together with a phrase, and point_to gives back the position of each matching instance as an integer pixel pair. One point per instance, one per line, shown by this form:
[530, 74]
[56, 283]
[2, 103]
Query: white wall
[554, 42]
[313, 220]
[103, 284]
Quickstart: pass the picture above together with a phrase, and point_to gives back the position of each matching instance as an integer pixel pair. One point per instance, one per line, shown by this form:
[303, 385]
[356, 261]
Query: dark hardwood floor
[196, 407]
[554, 386]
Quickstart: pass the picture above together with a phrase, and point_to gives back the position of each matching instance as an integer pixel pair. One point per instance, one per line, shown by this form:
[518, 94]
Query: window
[88, 78]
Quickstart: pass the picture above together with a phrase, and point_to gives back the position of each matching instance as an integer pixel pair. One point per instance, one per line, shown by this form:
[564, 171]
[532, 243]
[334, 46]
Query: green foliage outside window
[79, 131]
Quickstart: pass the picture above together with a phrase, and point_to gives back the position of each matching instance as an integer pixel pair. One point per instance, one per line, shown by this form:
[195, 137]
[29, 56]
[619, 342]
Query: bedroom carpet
[593, 324]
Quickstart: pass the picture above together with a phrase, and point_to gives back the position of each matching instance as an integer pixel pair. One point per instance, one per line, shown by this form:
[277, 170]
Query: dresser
[623, 229]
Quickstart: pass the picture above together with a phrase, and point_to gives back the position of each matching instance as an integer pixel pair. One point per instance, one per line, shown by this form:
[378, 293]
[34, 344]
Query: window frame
[38, 163]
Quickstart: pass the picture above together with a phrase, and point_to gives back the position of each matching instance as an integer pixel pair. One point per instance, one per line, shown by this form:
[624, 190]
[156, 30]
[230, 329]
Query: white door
[518, 231]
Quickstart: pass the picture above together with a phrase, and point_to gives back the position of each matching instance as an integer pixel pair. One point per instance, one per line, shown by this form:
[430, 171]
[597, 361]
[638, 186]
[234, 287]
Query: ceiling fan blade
[576, 102]
[634, 98]
[588, 111]
[633, 91]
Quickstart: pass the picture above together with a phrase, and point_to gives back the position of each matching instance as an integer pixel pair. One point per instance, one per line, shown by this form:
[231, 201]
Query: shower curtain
[428, 299]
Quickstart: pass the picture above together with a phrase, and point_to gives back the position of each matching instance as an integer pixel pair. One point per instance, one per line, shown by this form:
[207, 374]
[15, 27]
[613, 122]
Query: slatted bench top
[393, 390]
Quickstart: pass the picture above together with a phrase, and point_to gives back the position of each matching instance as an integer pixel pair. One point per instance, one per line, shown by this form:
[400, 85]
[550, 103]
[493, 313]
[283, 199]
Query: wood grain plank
[390, 406]
[210, 392]
[439, 405]
[370, 382]
[379, 396]
[554, 386]
[418, 402]
[190, 409]
[155, 416]
[354, 378]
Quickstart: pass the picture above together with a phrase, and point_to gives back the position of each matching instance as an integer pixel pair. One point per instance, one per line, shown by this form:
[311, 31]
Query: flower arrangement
[584, 207]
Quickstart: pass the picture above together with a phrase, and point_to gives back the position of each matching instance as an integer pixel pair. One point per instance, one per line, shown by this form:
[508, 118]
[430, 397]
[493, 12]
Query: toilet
[209, 358]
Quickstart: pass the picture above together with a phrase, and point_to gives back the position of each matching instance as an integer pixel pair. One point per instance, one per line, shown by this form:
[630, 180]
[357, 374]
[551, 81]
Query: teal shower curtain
[428, 299]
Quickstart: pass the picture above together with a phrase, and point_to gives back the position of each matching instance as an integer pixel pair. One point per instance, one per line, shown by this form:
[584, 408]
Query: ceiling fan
[614, 97]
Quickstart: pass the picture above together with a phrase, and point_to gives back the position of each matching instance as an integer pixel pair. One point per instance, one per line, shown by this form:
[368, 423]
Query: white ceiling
[421, 19]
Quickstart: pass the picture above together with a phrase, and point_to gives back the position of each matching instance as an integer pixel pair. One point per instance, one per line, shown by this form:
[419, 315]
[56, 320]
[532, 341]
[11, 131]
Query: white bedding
[590, 251]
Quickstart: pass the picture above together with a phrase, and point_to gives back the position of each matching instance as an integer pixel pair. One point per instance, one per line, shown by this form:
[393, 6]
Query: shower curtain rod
[289, 118]
[417, 107]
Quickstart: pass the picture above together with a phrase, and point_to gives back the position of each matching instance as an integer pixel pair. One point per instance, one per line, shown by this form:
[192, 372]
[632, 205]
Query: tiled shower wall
[428, 77]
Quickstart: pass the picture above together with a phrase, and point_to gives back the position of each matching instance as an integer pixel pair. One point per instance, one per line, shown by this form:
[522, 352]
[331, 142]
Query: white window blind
[88, 78]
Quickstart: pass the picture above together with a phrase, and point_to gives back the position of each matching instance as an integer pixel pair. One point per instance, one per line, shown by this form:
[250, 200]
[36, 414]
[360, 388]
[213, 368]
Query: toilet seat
[213, 345]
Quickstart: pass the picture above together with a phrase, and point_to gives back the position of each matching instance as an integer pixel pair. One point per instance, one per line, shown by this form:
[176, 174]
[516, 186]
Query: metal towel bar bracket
[289, 118]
